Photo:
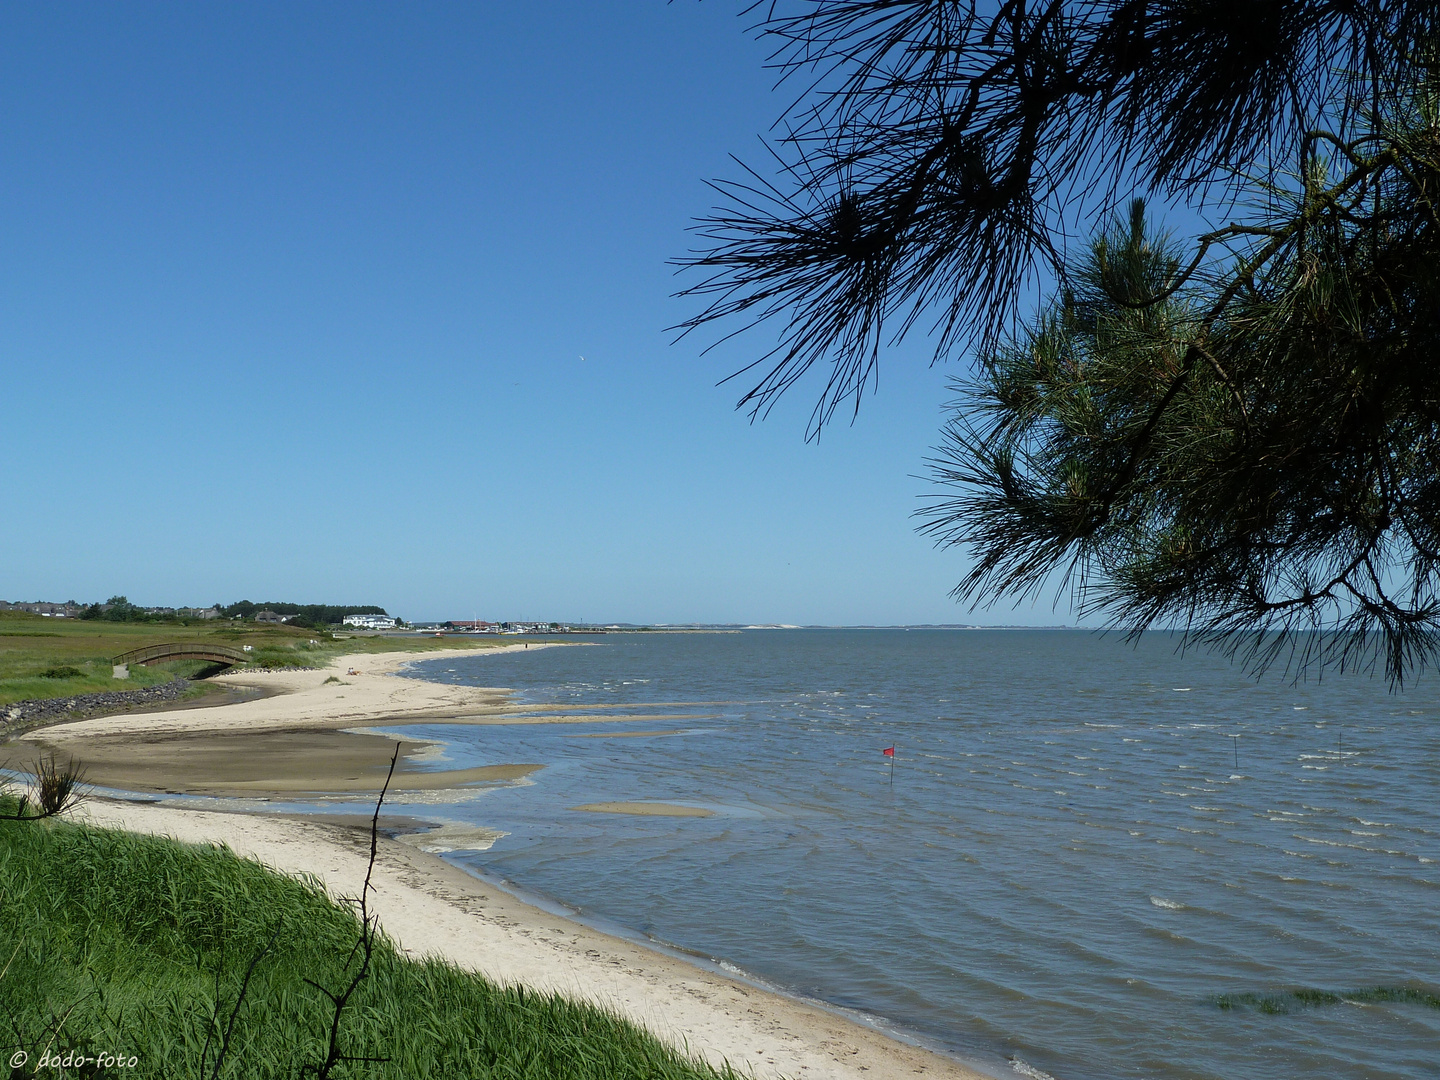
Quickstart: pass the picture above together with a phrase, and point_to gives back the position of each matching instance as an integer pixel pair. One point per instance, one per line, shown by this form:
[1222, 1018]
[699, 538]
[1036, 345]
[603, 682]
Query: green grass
[138, 946]
[49, 658]
[1287, 1001]
[299, 655]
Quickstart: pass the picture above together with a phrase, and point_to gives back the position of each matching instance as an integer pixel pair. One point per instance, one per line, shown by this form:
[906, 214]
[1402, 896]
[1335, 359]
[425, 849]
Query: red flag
[889, 751]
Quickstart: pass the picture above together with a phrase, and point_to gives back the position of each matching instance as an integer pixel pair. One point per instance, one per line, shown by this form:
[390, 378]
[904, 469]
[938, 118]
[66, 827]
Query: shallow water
[1068, 868]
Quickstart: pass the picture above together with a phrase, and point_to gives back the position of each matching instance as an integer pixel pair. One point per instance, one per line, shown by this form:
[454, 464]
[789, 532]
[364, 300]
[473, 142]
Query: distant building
[368, 622]
[269, 616]
[41, 607]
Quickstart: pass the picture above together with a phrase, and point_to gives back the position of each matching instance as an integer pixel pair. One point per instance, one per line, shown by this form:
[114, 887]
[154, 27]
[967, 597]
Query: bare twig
[366, 947]
[239, 1000]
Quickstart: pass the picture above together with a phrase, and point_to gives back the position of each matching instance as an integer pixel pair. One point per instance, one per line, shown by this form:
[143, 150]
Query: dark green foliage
[1238, 435]
[119, 609]
[141, 946]
[281, 657]
[1289, 1000]
[64, 671]
[311, 615]
[1257, 465]
[936, 155]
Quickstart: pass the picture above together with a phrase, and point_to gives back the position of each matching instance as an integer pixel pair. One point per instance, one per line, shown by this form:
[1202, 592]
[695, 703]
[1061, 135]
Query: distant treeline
[119, 609]
[302, 614]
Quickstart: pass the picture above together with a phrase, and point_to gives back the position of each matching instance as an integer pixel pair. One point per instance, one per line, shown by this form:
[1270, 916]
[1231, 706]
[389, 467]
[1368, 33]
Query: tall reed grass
[138, 947]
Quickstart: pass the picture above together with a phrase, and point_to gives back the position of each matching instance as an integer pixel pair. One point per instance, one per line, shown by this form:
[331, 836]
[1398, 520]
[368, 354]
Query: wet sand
[646, 809]
[280, 733]
[286, 733]
[271, 763]
[627, 734]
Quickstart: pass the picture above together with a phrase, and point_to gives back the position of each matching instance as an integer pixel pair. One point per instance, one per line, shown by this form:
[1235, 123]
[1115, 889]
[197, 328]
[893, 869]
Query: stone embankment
[23, 715]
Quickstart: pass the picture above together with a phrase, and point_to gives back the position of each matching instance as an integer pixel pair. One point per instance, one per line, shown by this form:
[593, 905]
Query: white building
[370, 622]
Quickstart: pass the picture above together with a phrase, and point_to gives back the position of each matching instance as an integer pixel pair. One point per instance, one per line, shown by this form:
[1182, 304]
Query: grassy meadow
[47, 657]
[140, 947]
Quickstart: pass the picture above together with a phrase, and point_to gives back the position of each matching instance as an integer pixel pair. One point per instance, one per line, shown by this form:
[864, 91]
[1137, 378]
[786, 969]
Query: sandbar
[624, 734]
[269, 763]
[646, 809]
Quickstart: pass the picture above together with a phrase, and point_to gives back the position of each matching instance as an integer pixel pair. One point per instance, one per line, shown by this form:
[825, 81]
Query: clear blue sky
[293, 300]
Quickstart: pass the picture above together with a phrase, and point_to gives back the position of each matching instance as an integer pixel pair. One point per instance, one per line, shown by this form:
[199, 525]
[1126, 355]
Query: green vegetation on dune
[20, 681]
[51, 658]
[138, 946]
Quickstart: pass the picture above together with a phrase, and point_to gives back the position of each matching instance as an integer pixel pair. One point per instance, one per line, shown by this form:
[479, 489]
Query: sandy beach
[304, 732]
[308, 736]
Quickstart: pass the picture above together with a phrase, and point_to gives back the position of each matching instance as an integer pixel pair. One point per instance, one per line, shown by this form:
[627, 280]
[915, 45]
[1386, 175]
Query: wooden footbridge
[178, 650]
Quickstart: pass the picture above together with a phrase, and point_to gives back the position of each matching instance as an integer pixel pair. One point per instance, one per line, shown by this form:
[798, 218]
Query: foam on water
[1025, 1069]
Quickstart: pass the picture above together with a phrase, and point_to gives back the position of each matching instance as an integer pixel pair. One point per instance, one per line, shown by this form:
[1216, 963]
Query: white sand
[305, 699]
[432, 908]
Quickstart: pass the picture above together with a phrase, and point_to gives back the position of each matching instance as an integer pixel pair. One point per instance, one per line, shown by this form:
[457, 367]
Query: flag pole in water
[1236, 744]
[889, 752]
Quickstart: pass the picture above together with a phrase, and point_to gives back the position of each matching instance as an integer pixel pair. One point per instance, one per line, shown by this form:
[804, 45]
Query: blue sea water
[1084, 846]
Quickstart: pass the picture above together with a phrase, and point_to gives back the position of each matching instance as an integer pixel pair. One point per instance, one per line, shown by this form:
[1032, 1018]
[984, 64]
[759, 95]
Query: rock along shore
[22, 715]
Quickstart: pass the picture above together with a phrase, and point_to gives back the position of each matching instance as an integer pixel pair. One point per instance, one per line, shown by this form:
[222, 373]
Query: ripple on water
[1082, 931]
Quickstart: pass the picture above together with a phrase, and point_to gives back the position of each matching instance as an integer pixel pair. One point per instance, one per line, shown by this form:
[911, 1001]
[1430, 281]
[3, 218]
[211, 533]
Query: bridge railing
[177, 650]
